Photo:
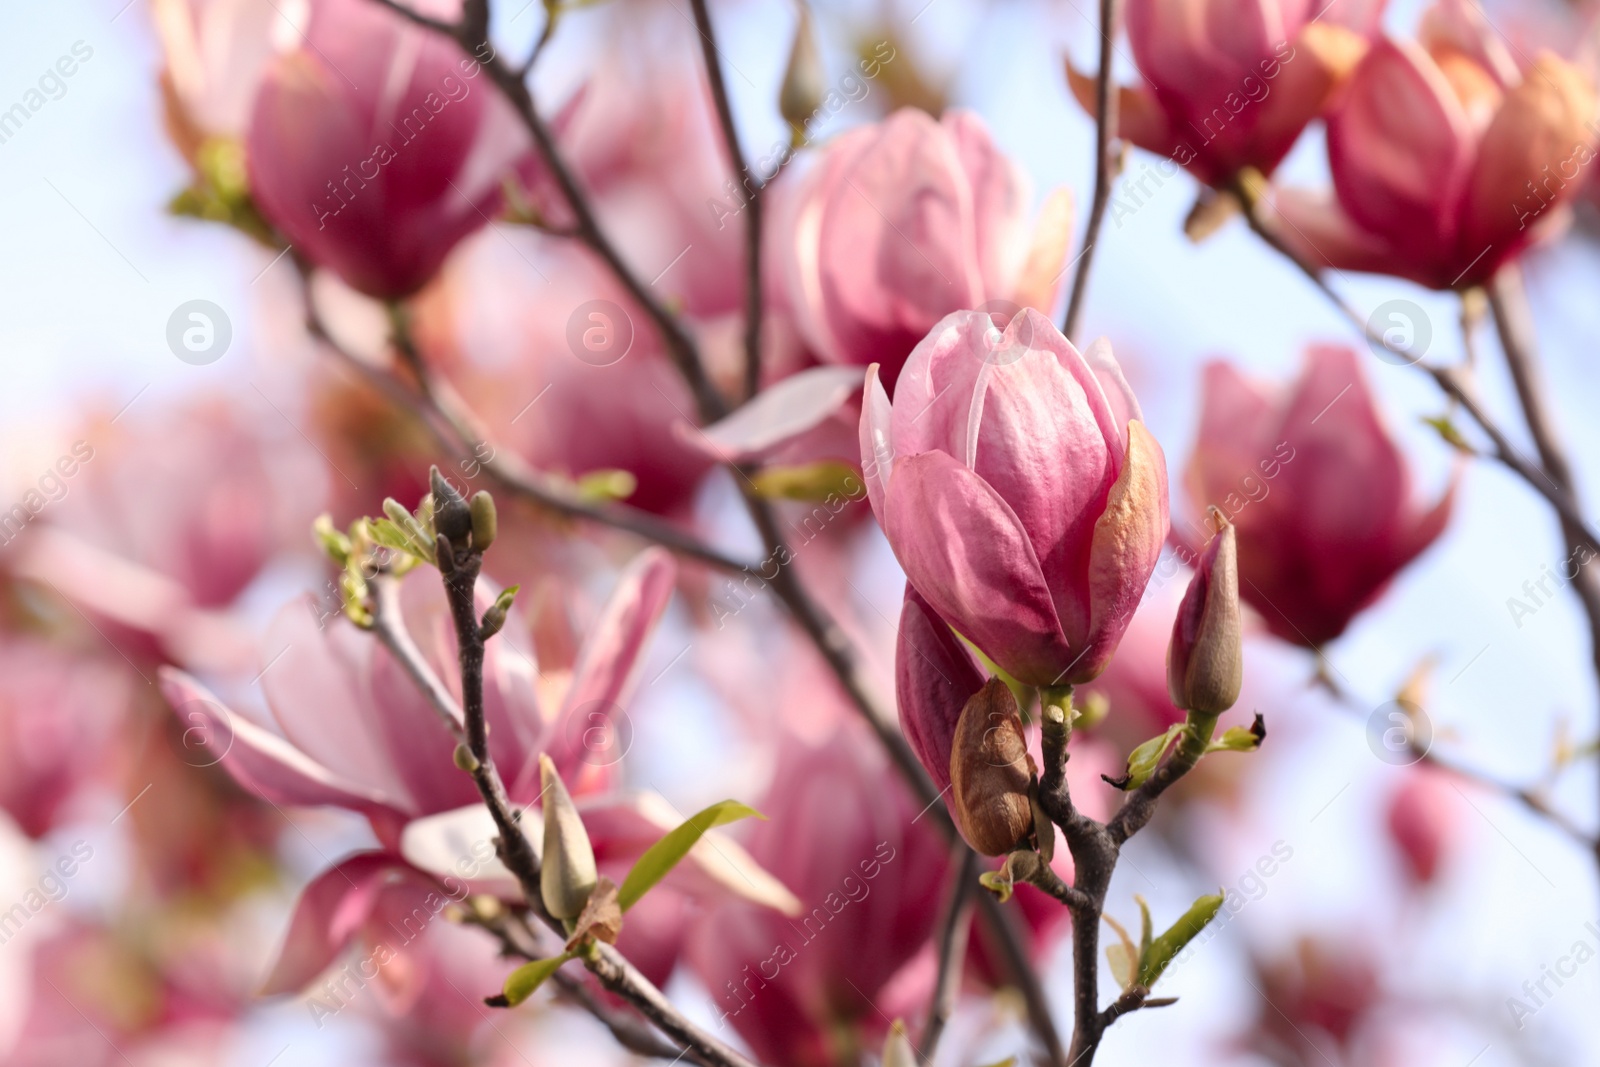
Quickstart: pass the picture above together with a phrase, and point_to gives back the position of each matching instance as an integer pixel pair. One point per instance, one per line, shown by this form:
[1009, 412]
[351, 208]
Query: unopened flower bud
[1205, 662]
[568, 874]
[485, 524]
[452, 517]
[990, 772]
[803, 88]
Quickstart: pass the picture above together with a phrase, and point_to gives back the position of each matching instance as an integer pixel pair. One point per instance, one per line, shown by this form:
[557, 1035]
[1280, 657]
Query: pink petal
[877, 442]
[935, 675]
[1320, 232]
[777, 415]
[1000, 197]
[1042, 275]
[608, 666]
[963, 548]
[262, 762]
[1127, 543]
[1400, 147]
[319, 689]
[330, 911]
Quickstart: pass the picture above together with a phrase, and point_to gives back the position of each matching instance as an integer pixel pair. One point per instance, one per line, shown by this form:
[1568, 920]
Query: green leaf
[1123, 957]
[1144, 926]
[1164, 948]
[812, 482]
[1143, 761]
[997, 882]
[521, 983]
[664, 855]
[607, 485]
[1235, 739]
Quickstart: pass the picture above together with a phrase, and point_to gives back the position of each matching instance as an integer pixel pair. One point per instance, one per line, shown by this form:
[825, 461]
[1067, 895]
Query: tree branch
[446, 416]
[752, 208]
[954, 925]
[1105, 122]
[515, 850]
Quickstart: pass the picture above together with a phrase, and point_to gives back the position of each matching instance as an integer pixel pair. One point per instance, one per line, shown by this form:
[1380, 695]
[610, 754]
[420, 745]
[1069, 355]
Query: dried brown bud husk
[990, 772]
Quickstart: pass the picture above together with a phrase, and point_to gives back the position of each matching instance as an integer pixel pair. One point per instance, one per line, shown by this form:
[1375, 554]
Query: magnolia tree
[588, 376]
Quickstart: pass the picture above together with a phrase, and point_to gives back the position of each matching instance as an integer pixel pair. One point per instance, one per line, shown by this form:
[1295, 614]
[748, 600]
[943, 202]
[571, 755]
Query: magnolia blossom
[59, 716]
[377, 146]
[1447, 160]
[216, 53]
[842, 833]
[1422, 823]
[904, 221]
[1020, 491]
[1230, 84]
[359, 734]
[1317, 489]
[562, 365]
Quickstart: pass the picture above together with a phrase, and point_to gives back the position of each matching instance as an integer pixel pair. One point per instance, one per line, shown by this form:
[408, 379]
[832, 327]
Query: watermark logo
[199, 332]
[1399, 332]
[599, 333]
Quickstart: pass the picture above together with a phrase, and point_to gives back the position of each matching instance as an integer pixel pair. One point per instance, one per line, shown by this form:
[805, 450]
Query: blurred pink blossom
[1317, 488]
[904, 221]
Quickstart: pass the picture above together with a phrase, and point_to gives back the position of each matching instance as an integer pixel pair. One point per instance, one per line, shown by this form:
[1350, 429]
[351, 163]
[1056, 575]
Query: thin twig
[751, 196]
[1528, 797]
[954, 926]
[515, 850]
[451, 423]
[631, 1032]
[1105, 166]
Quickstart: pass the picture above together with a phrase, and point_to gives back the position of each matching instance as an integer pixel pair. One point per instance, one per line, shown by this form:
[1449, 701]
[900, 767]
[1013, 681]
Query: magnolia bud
[1205, 663]
[452, 517]
[568, 874]
[990, 772]
[803, 88]
[485, 523]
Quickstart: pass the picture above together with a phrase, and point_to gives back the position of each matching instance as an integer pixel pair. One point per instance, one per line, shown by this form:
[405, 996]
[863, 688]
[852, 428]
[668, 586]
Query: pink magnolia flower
[843, 835]
[1447, 161]
[358, 734]
[60, 716]
[1230, 84]
[1317, 489]
[1020, 491]
[155, 524]
[562, 366]
[378, 146]
[1422, 824]
[389, 902]
[902, 222]
[216, 53]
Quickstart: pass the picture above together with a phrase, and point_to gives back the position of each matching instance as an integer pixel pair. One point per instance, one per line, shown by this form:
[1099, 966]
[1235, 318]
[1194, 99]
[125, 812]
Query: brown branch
[631, 1032]
[515, 850]
[954, 926]
[446, 416]
[752, 187]
[1105, 167]
[1515, 325]
[1095, 848]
